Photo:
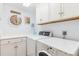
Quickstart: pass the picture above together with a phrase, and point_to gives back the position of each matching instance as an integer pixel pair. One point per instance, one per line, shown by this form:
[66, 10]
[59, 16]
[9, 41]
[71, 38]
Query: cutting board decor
[15, 19]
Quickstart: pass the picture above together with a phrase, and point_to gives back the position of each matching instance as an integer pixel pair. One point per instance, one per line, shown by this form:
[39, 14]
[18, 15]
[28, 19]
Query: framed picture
[15, 19]
[27, 20]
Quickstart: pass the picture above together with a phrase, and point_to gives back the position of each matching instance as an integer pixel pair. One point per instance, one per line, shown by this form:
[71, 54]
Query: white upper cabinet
[48, 12]
[71, 9]
[55, 11]
[41, 12]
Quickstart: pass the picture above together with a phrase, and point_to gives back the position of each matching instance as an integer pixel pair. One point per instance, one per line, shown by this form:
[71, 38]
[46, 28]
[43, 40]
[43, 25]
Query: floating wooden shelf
[61, 20]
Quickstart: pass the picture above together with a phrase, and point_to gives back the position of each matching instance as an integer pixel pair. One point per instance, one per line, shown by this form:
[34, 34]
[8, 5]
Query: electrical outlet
[64, 33]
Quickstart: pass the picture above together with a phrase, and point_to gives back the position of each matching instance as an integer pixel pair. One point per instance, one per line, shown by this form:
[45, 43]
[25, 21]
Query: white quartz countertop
[10, 37]
[67, 46]
[34, 37]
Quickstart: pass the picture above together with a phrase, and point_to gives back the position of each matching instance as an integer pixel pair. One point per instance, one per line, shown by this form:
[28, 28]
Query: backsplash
[72, 28]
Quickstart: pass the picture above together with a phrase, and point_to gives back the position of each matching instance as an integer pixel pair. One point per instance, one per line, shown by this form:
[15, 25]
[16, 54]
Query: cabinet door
[42, 12]
[8, 50]
[54, 11]
[21, 49]
[71, 9]
[30, 47]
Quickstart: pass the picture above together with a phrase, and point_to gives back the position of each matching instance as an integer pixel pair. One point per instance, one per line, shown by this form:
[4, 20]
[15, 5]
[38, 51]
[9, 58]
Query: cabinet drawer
[10, 41]
[22, 39]
[15, 40]
[5, 42]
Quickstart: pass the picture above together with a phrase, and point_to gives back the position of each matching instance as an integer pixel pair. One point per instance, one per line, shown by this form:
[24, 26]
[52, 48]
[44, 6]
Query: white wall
[72, 28]
[8, 29]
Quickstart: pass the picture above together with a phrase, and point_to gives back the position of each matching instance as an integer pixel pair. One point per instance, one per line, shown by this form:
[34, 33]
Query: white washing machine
[42, 48]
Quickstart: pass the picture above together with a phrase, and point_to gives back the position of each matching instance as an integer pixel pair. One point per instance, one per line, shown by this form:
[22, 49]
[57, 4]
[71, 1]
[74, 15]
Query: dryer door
[44, 53]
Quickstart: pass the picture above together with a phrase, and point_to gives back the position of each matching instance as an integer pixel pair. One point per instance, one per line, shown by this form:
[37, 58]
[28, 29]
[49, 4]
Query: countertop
[67, 46]
[34, 37]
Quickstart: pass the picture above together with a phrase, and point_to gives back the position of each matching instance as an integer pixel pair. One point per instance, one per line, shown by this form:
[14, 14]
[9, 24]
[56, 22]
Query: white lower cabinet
[8, 50]
[30, 47]
[21, 49]
[13, 47]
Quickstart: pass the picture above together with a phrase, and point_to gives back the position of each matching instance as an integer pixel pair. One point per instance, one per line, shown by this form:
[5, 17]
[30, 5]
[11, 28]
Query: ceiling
[31, 8]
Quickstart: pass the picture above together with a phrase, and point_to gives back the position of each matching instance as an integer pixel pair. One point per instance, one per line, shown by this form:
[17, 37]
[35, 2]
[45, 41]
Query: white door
[55, 11]
[71, 9]
[21, 49]
[8, 50]
[30, 47]
[42, 12]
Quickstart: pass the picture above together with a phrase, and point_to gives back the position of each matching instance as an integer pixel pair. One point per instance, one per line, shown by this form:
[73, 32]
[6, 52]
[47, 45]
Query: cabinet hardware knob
[15, 46]
[60, 13]
[49, 48]
[8, 41]
[40, 19]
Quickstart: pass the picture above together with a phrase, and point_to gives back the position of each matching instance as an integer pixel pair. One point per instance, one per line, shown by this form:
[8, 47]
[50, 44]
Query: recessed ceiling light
[26, 4]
